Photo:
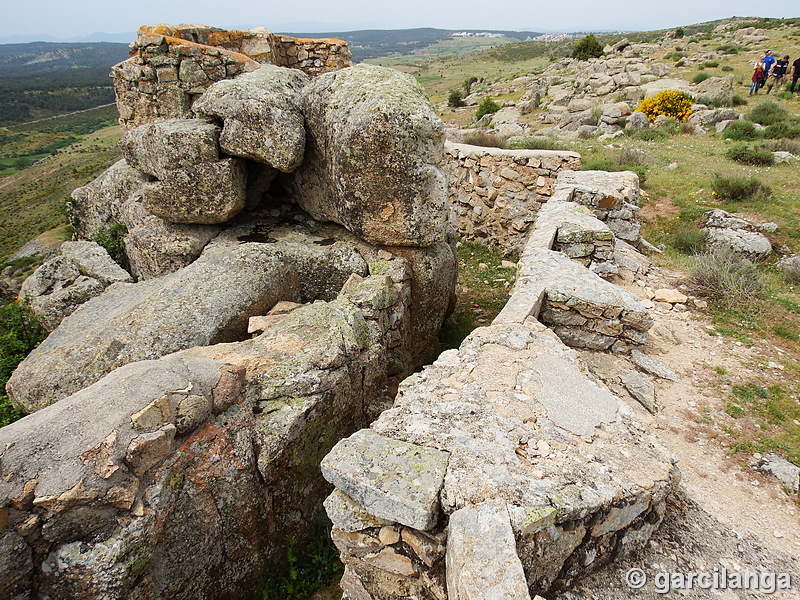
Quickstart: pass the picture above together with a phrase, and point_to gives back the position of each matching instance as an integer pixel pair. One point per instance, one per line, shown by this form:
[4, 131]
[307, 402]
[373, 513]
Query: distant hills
[41, 79]
[36, 57]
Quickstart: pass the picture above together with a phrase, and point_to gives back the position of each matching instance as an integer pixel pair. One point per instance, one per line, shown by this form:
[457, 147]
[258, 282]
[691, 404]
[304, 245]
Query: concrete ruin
[169, 454]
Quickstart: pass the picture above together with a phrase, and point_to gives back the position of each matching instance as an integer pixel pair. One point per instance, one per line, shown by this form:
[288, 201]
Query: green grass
[483, 289]
[32, 199]
[308, 569]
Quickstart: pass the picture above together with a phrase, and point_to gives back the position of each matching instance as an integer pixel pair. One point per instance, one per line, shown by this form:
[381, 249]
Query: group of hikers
[770, 71]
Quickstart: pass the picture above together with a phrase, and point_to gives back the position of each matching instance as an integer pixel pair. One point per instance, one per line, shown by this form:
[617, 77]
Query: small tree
[679, 32]
[588, 47]
[467, 85]
[455, 99]
[486, 107]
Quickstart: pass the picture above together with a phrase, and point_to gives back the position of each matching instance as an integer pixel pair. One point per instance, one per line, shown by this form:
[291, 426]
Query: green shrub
[20, 332]
[750, 155]
[726, 281]
[113, 240]
[607, 164]
[688, 240]
[782, 129]
[651, 134]
[674, 56]
[455, 99]
[767, 113]
[700, 77]
[310, 568]
[467, 85]
[739, 100]
[486, 138]
[486, 107]
[741, 130]
[679, 32]
[736, 189]
[709, 64]
[539, 143]
[726, 68]
[728, 49]
[588, 47]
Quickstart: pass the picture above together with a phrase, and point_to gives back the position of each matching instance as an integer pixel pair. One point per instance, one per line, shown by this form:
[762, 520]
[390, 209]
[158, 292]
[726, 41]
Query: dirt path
[728, 515]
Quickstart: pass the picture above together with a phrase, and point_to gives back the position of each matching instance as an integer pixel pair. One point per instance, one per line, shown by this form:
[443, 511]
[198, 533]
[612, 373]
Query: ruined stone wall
[495, 194]
[171, 66]
[504, 465]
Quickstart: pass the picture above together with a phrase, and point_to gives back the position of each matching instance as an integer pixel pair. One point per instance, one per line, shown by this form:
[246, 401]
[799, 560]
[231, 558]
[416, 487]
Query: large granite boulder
[156, 247]
[203, 194]
[208, 302]
[81, 271]
[373, 157]
[96, 206]
[185, 477]
[161, 147]
[152, 245]
[261, 115]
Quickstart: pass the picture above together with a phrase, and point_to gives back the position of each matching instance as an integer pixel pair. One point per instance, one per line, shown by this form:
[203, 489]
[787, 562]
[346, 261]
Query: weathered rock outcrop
[727, 234]
[153, 246]
[81, 271]
[185, 477]
[205, 303]
[261, 116]
[373, 157]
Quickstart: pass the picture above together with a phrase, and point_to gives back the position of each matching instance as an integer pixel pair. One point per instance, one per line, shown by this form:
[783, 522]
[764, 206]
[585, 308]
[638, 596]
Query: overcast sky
[71, 18]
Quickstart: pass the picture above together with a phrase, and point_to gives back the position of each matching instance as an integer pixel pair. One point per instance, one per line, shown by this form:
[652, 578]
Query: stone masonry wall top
[172, 64]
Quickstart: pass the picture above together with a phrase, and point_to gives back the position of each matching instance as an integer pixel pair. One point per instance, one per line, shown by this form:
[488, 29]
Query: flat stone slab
[389, 479]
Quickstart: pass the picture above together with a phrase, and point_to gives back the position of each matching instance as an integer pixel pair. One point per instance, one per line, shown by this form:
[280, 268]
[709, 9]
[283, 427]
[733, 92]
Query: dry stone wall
[495, 194]
[503, 469]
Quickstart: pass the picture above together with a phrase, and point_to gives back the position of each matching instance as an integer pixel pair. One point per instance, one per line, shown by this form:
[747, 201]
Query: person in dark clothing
[795, 73]
[777, 74]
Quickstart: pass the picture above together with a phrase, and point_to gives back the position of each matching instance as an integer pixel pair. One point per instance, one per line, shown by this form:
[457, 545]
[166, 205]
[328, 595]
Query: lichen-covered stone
[80, 271]
[482, 559]
[207, 302]
[392, 480]
[261, 115]
[161, 147]
[205, 194]
[373, 162]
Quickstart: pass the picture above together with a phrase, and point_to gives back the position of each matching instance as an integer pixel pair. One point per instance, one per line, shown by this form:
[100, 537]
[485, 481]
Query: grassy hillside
[387, 44]
[761, 305]
[40, 165]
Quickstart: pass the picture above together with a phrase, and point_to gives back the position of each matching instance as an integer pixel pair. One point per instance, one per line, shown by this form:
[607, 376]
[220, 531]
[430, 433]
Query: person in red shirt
[757, 79]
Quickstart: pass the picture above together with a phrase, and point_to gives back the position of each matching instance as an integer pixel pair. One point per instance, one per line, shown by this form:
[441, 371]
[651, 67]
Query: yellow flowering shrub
[670, 103]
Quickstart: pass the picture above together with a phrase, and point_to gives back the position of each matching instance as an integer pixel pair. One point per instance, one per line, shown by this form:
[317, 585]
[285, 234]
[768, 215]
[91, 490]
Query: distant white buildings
[484, 34]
